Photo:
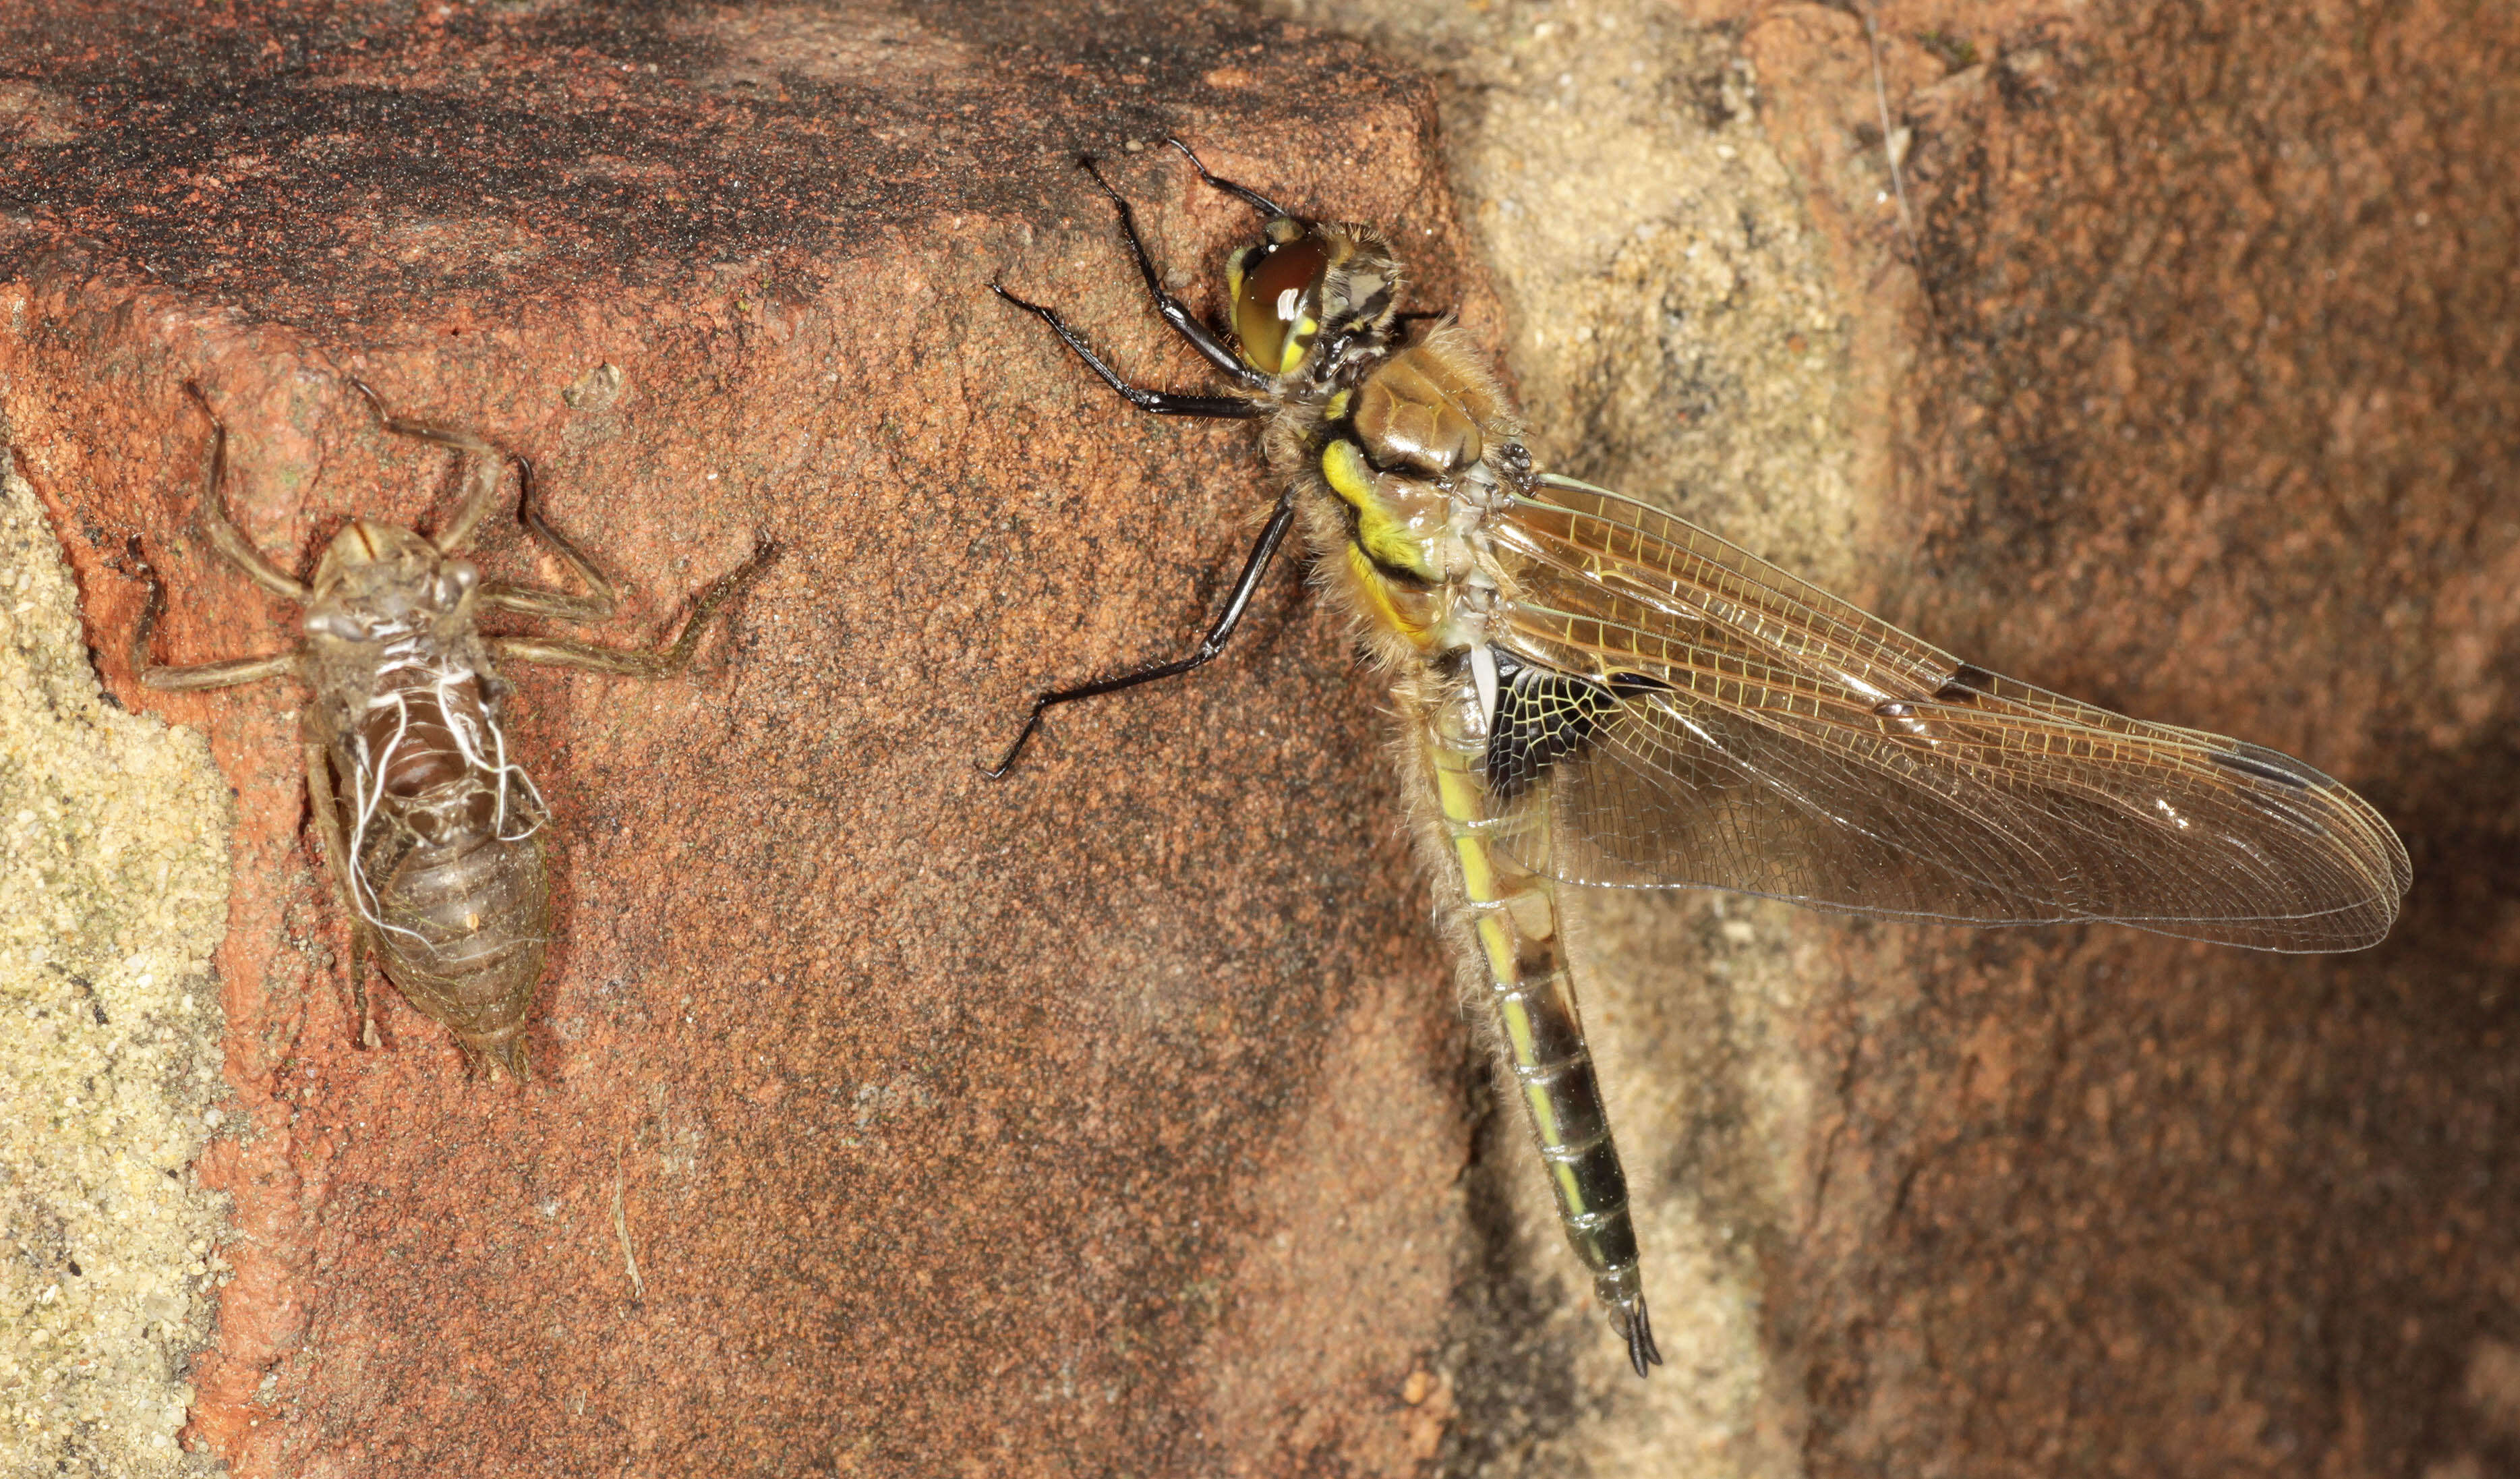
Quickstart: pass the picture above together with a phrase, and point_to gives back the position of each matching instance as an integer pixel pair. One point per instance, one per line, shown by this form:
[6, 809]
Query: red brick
[1106, 1119]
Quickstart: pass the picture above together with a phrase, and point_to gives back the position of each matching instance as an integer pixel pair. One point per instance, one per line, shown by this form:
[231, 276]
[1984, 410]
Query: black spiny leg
[1212, 347]
[1254, 566]
[1160, 402]
[1201, 337]
[1244, 193]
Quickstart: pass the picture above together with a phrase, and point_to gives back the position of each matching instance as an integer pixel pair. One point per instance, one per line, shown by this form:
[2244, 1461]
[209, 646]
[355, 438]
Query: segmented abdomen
[444, 834]
[466, 922]
[1513, 928]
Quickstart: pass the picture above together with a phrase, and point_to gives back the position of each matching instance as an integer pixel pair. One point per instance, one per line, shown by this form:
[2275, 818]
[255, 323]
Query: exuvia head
[1304, 283]
[379, 580]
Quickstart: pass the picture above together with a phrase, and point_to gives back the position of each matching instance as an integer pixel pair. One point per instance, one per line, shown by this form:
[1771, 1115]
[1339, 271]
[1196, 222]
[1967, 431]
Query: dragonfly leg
[206, 675]
[1254, 566]
[481, 478]
[1206, 340]
[664, 661]
[535, 600]
[1244, 193]
[324, 803]
[224, 535]
[1160, 402]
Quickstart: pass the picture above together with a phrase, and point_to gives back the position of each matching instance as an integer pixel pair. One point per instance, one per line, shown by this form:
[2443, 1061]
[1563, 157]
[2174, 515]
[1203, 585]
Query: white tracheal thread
[370, 782]
[363, 895]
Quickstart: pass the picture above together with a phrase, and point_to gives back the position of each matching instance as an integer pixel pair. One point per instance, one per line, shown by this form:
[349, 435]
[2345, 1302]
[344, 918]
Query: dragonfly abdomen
[446, 857]
[1513, 922]
[465, 923]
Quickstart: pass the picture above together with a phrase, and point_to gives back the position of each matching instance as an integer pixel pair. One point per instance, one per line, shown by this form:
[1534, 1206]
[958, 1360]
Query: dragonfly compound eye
[1277, 300]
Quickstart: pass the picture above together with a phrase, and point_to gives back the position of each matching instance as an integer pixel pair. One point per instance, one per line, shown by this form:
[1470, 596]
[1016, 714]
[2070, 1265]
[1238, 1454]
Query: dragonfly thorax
[1415, 461]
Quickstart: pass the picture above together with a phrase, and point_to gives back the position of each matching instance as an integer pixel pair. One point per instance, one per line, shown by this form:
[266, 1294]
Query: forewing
[1769, 738]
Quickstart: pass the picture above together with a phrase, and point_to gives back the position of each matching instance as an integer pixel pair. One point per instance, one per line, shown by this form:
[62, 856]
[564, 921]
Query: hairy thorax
[1402, 472]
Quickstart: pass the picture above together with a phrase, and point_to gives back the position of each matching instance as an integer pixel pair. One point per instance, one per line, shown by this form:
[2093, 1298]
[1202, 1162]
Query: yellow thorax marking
[1376, 587]
[1380, 529]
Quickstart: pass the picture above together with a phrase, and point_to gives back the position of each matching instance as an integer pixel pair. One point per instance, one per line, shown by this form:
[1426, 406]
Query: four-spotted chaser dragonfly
[1594, 691]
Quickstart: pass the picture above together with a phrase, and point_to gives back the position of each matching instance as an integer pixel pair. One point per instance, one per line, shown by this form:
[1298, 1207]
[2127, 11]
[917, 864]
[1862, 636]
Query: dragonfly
[431, 833]
[1592, 691]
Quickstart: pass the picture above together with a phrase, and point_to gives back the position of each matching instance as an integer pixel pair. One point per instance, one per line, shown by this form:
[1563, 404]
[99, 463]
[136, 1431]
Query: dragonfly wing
[1747, 731]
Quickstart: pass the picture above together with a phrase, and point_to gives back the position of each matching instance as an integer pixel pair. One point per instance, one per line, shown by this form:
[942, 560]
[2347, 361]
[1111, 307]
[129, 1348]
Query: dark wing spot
[1893, 709]
[1542, 718]
[2263, 764]
[1968, 681]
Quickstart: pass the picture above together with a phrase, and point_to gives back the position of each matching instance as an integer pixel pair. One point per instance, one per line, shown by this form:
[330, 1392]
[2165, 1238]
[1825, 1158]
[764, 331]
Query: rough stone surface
[2185, 382]
[1105, 1120]
[2214, 418]
[112, 884]
[2182, 381]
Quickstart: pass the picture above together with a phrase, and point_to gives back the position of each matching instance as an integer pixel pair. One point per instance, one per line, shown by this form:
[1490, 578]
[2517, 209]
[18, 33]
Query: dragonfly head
[1305, 283]
[378, 579]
